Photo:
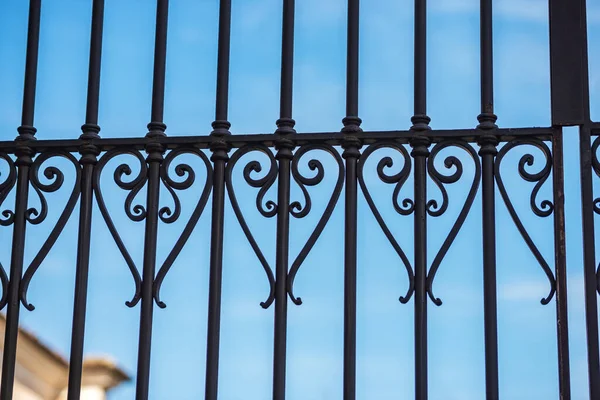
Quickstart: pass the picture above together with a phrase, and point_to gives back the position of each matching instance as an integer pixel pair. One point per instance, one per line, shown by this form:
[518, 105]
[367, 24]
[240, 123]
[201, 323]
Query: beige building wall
[42, 374]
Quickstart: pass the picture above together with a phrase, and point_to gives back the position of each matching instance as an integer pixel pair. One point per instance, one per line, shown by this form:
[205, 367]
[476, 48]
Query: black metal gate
[487, 144]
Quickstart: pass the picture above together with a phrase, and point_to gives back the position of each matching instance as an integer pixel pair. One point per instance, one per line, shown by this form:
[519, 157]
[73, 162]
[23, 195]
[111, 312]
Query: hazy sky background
[527, 330]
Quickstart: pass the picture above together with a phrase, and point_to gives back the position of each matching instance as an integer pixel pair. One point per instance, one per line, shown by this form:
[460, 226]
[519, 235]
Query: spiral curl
[167, 216]
[137, 213]
[545, 208]
[268, 209]
[435, 211]
[35, 216]
[6, 187]
[407, 204]
[298, 211]
[54, 175]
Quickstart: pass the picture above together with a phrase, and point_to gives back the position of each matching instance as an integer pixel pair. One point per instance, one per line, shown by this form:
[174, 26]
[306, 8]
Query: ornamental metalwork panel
[146, 169]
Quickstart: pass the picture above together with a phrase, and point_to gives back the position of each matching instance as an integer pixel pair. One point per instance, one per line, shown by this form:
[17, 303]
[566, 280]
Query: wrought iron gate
[486, 144]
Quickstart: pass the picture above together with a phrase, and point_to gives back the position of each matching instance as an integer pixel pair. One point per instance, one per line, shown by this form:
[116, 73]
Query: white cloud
[524, 290]
[534, 290]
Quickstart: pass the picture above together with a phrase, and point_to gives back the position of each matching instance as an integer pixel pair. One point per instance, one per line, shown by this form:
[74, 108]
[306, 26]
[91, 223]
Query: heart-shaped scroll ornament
[269, 208]
[406, 207]
[298, 211]
[545, 208]
[36, 216]
[434, 209]
[169, 216]
[596, 168]
[7, 183]
[137, 212]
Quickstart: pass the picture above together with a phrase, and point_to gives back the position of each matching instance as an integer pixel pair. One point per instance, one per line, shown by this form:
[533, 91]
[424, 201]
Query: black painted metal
[220, 157]
[488, 142]
[588, 160]
[351, 154]
[88, 160]
[20, 216]
[156, 128]
[589, 205]
[284, 144]
[560, 267]
[282, 153]
[567, 61]
[420, 145]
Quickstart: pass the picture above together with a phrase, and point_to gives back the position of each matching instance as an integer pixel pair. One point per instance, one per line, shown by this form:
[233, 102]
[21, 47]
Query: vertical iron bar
[351, 154]
[587, 195]
[24, 160]
[285, 146]
[18, 248]
[89, 154]
[220, 157]
[222, 101]
[487, 61]
[284, 156]
[88, 160]
[420, 154]
[31, 64]
[487, 153]
[560, 260]
[150, 242]
[420, 62]
[568, 58]
[571, 106]
[488, 143]
[420, 144]
[155, 151]
[216, 273]
[287, 59]
[91, 128]
[589, 261]
[160, 61]
[352, 62]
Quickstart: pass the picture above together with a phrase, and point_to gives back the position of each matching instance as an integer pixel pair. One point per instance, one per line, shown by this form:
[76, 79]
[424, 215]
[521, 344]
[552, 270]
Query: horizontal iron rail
[240, 140]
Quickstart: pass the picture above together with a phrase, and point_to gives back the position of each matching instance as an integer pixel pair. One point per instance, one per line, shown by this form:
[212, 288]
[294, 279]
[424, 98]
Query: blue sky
[385, 339]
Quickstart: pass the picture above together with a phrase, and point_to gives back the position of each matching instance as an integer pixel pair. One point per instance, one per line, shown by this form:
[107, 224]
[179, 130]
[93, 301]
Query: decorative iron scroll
[169, 216]
[297, 211]
[37, 216]
[596, 168]
[545, 207]
[137, 212]
[5, 187]
[435, 211]
[406, 208]
[268, 209]
[7, 216]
